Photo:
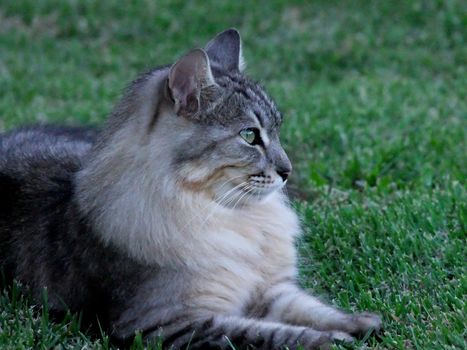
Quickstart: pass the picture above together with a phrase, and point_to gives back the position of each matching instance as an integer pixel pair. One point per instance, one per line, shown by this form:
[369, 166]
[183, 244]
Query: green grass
[374, 99]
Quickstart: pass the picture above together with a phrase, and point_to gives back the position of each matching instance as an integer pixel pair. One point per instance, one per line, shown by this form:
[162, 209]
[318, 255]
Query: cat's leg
[289, 304]
[219, 332]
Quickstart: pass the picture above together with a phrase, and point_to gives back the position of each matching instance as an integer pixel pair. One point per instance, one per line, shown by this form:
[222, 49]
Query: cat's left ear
[187, 77]
[225, 51]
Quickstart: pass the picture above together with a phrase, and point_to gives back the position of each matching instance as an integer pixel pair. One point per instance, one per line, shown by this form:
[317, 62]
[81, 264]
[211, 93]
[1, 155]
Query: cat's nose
[284, 173]
[281, 163]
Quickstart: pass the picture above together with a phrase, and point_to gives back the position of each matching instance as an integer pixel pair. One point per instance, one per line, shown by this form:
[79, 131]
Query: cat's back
[42, 146]
[47, 149]
[36, 167]
[39, 225]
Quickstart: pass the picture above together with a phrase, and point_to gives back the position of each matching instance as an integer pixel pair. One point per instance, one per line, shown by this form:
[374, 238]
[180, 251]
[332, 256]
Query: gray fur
[167, 221]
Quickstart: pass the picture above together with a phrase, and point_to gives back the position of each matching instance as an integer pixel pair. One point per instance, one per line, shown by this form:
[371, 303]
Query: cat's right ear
[225, 51]
[187, 77]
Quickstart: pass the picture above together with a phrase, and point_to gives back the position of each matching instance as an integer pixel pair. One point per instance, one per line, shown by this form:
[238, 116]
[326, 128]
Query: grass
[374, 99]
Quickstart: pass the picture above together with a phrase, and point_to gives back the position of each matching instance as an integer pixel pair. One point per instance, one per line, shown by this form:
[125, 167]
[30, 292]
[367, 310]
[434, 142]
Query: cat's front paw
[313, 340]
[337, 336]
[362, 323]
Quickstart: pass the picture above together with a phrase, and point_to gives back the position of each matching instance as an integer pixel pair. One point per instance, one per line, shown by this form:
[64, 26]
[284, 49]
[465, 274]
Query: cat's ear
[187, 77]
[225, 51]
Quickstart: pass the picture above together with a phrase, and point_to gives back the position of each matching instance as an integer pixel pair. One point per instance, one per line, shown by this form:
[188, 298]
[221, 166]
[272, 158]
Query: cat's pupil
[251, 135]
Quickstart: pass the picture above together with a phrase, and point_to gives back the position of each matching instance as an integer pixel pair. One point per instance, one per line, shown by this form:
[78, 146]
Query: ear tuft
[187, 77]
[225, 51]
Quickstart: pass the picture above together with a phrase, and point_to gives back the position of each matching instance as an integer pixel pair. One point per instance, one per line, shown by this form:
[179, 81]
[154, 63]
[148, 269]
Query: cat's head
[215, 131]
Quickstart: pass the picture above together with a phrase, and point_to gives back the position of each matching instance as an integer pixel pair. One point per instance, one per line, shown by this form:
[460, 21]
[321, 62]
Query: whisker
[250, 195]
[230, 180]
[195, 216]
[249, 188]
[234, 195]
[286, 192]
[218, 204]
[230, 191]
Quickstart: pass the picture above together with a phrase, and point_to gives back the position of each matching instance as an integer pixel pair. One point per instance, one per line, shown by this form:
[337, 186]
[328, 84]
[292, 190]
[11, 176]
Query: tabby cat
[170, 221]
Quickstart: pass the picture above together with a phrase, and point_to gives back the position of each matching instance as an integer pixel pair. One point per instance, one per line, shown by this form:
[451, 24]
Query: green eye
[249, 135]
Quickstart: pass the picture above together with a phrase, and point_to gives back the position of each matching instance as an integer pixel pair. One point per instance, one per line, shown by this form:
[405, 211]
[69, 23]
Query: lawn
[374, 100]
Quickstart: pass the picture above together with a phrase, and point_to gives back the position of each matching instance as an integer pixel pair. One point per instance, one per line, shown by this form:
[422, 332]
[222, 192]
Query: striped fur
[172, 224]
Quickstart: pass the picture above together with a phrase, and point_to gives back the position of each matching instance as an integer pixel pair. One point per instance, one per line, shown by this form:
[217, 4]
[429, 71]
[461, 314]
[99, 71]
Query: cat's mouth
[260, 185]
[261, 180]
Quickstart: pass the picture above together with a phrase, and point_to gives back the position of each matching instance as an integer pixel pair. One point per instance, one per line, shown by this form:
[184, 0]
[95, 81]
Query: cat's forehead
[247, 99]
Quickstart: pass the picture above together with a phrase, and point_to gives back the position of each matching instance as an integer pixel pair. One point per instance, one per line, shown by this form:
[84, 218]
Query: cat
[171, 219]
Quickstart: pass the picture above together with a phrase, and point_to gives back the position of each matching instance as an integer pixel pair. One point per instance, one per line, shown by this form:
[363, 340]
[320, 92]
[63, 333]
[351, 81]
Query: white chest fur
[245, 250]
